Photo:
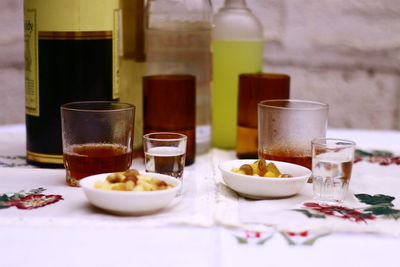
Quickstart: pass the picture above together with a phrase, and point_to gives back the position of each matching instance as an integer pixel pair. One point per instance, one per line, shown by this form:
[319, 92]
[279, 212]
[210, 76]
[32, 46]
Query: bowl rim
[88, 185]
[223, 166]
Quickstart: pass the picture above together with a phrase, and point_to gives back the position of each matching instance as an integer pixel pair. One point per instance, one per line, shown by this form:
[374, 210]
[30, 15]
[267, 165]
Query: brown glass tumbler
[254, 88]
[169, 105]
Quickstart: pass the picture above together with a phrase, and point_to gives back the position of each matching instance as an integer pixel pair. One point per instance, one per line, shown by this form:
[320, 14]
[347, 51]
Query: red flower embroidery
[33, 201]
[340, 212]
[253, 234]
[302, 234]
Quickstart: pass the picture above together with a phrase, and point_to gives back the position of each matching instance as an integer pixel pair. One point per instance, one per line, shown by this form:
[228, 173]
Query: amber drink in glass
[286, 128]
[97, 138]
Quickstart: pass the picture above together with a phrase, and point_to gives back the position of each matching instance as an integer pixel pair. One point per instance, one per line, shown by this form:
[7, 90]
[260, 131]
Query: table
[199, 239]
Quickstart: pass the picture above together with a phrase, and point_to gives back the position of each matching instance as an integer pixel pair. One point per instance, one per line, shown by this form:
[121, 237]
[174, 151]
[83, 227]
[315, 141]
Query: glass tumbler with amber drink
[97, 138]
[286, 128]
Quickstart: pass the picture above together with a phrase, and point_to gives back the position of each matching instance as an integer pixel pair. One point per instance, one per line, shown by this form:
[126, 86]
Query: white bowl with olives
[260, 179]
[131, 192]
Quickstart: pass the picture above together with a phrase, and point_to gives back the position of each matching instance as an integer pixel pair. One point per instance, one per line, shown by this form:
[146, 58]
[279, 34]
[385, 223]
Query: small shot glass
[332, 162]
[165, 152]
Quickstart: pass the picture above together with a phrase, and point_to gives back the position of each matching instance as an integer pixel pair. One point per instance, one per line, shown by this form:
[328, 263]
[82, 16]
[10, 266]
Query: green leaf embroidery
[375, 199]
[241, 240]
[311, 241]
[381, 210]
[4, 197]
[373, 153]
[362, 153]
[395, 215]
[288, 239]
[310, 215]
[262, 241]
[382, 153]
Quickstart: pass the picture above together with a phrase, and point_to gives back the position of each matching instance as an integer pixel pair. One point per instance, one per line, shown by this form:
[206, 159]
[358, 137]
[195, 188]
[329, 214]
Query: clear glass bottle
[132, 63]
[178, 41]
[237, 45]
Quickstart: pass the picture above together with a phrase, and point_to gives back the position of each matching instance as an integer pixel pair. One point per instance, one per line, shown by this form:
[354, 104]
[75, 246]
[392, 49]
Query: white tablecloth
[206, 229]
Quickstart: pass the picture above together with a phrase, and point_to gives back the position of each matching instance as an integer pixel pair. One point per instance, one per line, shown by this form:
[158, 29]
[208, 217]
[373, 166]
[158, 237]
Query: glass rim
[266, 75]
[170, 77]
[179, 137]
[313, 105]
[340, 143]
[79, 106]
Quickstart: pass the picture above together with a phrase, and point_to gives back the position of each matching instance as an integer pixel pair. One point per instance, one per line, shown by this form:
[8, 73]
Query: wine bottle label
[31, 70]
[45, 21]
[116, 53]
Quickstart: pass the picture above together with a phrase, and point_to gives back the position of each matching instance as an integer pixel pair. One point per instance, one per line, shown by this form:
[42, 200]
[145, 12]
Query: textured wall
[11, 62]
[342, 52]
[345, 53]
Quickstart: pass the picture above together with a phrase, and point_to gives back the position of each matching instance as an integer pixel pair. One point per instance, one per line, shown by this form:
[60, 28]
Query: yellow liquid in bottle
[230, 58]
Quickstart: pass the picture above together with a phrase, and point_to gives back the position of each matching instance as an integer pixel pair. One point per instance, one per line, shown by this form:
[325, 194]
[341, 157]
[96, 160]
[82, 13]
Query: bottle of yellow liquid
[237, 45]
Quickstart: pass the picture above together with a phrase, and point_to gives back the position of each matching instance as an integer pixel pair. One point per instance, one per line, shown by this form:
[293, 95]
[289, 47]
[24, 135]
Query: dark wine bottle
[71, 54]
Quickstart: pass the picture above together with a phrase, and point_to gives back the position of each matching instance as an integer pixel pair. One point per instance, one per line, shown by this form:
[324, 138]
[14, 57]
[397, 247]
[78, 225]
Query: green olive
[247, 169]
[262, 167]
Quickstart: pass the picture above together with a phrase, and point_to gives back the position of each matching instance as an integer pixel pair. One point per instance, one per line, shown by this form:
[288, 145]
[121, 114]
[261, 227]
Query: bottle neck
[235, 4]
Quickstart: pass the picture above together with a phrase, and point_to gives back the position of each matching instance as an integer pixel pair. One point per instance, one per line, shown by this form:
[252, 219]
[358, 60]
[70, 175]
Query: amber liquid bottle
[254, 88]
[178, 41]
[70, 55]
[169, 105]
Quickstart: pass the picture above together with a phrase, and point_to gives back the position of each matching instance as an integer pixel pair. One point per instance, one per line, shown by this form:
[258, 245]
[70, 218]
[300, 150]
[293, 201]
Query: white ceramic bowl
[130, 202]
[265, 187]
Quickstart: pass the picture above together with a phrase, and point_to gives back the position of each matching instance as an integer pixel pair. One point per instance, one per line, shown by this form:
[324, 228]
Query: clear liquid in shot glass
[331, 178]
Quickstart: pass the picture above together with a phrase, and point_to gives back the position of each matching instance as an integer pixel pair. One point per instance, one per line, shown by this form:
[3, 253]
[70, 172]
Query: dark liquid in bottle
[71, 68]
[84, 160]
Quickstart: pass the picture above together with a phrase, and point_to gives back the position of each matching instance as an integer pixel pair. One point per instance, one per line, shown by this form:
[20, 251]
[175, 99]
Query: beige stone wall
[342, 52]
[11, 62]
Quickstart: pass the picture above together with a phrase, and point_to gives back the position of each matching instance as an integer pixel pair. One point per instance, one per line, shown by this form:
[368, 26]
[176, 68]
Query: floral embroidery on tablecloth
[381, 157]
[379, 206]
[250, 237]
[13, 161]
[28, 200]
[304, 238]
